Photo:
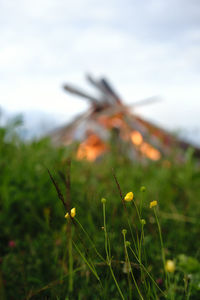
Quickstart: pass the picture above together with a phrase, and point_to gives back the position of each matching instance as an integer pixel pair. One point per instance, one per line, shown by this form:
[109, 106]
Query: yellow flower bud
[103, 200]
[143, 188]
[143, 222]
[72, 213]
[129, 197]
[153, 203]
[127, 244]
[124, 231]
[67, 216]
[170, 266]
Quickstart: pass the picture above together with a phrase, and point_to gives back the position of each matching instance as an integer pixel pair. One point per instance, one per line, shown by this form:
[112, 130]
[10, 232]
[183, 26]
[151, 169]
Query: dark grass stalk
[67, 204]
[69, 228]
[59, 193]
[126, 212]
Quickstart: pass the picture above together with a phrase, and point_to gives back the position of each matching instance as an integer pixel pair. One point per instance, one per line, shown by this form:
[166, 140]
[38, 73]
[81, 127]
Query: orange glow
[145, 148]
[136, 138]
[150, 152]
[112, 121]
[91, 148]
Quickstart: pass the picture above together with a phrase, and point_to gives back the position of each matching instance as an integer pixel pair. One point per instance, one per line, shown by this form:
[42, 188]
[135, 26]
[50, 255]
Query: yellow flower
[170, 266]
[129, 197]
[153, 203]
[72, 213]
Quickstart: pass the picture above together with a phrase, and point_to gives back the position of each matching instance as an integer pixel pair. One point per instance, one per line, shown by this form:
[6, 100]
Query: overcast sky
[145, 48]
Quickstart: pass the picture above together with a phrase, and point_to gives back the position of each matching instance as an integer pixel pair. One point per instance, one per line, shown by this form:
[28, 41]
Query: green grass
[45, 256]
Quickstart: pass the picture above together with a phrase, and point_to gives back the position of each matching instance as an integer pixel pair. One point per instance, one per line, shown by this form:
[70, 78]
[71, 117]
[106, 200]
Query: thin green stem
[106, 234]
[114, 278]
[108, 258]
[133, 239]
[63, 261]
[70, 264]
[140, 256]
[129, 264]
[147, 271]
[141, 236]
[138, 213]
[91, 242]
[141, 204]
[162, 247]
[93, 270]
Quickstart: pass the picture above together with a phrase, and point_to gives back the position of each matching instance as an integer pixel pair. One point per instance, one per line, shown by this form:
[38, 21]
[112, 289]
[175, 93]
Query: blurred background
[145, 48]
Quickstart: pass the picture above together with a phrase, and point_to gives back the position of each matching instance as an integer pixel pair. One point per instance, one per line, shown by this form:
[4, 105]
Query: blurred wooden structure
[108, 115]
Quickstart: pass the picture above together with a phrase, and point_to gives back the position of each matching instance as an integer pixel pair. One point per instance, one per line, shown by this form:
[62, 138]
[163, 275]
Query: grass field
[111, 248]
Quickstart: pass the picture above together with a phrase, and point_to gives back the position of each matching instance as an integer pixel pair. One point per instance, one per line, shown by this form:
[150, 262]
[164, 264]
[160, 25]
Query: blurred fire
[150, 151]
[145, 148]
[136, 138]
[115, 121]
[91, 148]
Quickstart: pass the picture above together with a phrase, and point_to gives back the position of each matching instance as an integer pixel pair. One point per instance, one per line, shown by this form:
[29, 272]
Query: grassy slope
[32, 217]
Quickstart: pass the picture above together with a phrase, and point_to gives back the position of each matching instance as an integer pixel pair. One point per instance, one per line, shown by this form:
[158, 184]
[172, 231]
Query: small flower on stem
[129, 197]
[170, 266]
[72, 213]
[153, 203]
